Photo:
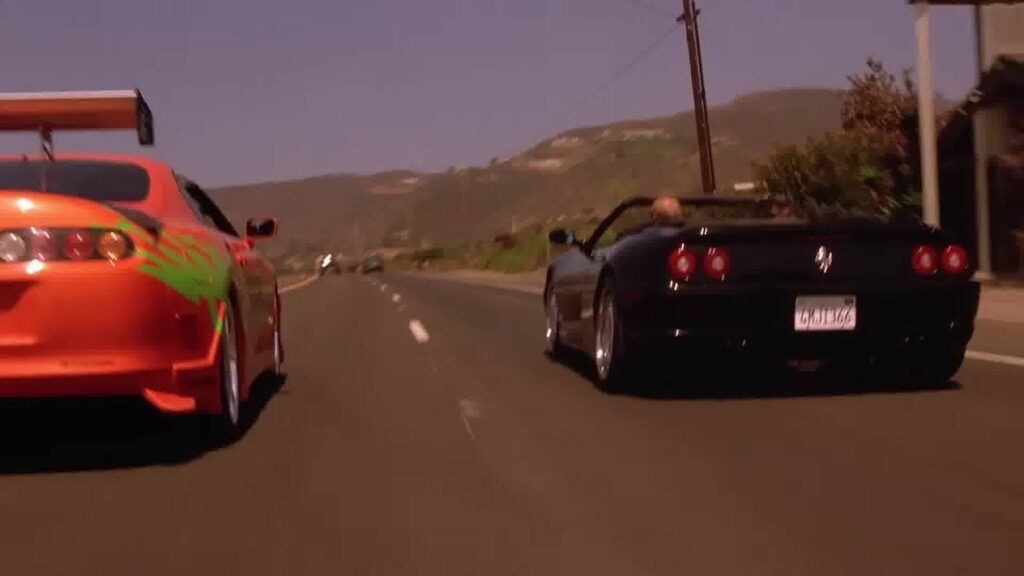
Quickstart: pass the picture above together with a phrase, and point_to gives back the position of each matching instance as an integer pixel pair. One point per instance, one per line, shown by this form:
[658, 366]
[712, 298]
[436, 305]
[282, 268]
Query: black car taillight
[717, 263]
[954, 260]
[925, 261]
[682, 263]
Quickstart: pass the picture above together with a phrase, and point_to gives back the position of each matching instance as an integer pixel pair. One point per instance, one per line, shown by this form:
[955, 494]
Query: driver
[666, 211]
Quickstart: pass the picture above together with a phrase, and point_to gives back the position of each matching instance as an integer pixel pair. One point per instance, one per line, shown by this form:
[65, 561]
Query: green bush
[870, 168]
[840, 174]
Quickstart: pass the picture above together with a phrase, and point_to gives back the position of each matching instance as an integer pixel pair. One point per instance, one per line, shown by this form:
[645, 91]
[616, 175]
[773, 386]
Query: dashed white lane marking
[383, 287]
[396, 298]
[418, 331]
[469, 409]
[997, 358]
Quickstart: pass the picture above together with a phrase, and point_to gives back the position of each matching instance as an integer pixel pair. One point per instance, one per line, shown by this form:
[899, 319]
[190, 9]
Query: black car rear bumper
[761, 319]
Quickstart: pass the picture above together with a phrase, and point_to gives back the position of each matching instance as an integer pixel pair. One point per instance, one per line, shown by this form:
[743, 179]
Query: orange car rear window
[90, 180]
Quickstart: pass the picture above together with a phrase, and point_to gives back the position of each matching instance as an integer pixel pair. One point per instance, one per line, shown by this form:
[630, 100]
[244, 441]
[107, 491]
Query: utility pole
[700, 102]
[926, 119]
[462, 201]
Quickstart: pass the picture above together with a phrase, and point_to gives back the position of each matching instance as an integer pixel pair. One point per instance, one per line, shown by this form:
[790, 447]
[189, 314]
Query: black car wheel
[610, 360]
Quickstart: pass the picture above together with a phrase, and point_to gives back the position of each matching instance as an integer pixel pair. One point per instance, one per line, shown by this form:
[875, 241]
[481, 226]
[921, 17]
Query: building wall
[1001, 30]
[999, 133]
[1006, 180]
[1016, 126]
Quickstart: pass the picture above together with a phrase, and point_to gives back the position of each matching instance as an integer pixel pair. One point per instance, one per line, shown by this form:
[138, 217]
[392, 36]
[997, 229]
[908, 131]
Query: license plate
[825, 313]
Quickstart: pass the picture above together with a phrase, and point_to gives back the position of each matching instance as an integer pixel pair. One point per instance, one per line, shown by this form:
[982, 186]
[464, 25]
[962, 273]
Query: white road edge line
[297, 285]
[419, 333]
[996, 358]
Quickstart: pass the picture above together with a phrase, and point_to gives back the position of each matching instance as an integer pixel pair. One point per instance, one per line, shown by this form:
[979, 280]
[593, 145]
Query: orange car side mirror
[260, 228]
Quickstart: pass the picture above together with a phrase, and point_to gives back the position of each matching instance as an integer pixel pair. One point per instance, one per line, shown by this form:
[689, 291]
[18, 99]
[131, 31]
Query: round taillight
[954, 260]
[682, 263]
[41, 245]
[79, 245]
[112, 245]
[717, 263]
[925, 260]
[12, 247]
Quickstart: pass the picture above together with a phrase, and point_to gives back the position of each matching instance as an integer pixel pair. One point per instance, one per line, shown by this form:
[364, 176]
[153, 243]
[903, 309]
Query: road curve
[427, 434]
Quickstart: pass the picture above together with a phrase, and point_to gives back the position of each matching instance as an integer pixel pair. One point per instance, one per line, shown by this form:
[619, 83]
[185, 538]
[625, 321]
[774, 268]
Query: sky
[254, 90]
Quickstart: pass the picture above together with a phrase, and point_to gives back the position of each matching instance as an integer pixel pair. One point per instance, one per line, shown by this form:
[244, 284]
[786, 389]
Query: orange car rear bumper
[85, 330]
[179, 389]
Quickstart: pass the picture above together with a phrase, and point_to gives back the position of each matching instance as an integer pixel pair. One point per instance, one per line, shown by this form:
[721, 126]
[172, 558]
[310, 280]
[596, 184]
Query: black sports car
[745, 278]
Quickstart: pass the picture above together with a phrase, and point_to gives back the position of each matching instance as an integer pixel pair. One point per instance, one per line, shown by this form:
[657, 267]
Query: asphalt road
[422, 431]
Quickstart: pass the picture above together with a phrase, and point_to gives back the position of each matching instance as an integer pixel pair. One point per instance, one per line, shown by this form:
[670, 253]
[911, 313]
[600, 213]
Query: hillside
[576, 171]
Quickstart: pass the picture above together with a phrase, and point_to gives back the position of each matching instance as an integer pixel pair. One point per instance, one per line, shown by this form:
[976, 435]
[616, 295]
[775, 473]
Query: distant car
[119, 276]
[733, 283]
[328, 264]
[371, 264]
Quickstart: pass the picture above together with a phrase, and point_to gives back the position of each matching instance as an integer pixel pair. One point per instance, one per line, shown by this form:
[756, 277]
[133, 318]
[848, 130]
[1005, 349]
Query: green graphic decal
[192, 267]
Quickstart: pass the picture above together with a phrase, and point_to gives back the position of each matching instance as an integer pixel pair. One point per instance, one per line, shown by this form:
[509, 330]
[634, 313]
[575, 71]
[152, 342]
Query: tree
[876, 106]
[868, 168]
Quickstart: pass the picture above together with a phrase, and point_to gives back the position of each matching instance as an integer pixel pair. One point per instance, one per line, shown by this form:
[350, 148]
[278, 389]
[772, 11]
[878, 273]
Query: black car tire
[933, 366]
[552, 342]
[614, 369]
[940, 365]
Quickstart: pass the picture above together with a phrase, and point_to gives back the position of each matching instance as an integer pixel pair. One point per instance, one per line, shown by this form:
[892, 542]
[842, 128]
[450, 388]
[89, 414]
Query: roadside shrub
[870, 168]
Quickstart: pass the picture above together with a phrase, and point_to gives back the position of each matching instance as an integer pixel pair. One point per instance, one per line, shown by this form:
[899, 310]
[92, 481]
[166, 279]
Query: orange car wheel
[229, 418]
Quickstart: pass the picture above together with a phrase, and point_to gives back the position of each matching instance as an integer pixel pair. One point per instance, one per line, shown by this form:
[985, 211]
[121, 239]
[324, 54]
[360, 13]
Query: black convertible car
[744, 278]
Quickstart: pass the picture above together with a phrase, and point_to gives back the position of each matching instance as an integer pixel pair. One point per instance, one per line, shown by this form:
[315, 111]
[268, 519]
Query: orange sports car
[119, 276]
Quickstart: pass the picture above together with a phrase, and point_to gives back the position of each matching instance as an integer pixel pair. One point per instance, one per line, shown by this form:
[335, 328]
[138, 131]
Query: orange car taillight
[41, 245]
[112, 245]
[79, 245]
[55, 244]
[12, 247]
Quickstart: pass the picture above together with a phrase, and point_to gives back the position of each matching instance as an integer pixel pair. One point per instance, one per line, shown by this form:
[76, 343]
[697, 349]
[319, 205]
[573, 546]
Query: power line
[652, 8]
[622, 71]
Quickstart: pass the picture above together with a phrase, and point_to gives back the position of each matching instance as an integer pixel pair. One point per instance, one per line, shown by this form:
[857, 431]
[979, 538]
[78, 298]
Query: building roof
[964, 2]
[1004, 79]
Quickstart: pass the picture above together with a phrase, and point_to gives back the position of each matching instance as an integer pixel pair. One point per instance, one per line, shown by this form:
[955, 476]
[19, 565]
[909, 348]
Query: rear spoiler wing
[48, 112]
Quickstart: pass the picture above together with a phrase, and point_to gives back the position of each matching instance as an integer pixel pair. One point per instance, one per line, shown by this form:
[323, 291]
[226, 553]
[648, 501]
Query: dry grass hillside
[572, 173]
